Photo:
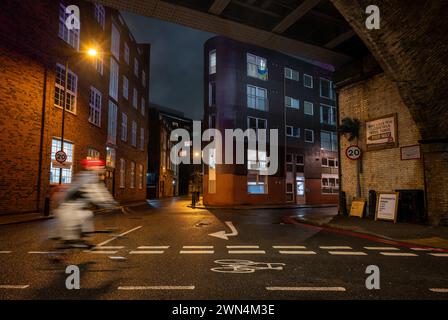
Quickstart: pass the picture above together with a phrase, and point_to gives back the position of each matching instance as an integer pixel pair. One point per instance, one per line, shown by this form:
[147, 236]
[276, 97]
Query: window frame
[308, 77]
[257, 97]
[304, 135]
[304, 108]
[95, 108]
[61, 88]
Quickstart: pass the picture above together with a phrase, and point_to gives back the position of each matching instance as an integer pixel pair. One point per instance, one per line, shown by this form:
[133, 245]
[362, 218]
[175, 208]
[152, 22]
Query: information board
[386, 206]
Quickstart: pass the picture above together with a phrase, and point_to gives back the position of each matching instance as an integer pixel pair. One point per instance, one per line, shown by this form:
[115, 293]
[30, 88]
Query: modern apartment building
[252, 87]
[105, 108]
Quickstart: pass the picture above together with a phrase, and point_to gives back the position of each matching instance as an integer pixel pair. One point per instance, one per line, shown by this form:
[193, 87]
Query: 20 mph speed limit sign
[60, 156]
[353, 152]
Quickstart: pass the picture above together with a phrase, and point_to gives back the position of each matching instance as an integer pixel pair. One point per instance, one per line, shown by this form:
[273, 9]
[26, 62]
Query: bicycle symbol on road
[244, 266]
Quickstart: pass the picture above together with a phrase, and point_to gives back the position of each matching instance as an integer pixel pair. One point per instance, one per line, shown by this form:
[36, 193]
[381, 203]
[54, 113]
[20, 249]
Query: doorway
[300, 190]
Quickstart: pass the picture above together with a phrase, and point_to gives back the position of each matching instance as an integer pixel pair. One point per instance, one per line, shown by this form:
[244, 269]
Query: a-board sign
[357, 208]
[386, 206]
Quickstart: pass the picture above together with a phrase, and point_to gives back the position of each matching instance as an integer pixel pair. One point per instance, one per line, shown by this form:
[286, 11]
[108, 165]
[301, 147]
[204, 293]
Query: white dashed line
[147, 252]
[335, 247]
[153, 247]
[398, 254]
[197, 252]
[5, 252]
[348, 253]
[8, 286]
[439, 290]
[43, 252]
[117, 258]
[289, 247]
[101, 252]
[247, 251]
[197, 247]
[421, 249]
[156, 288]
[381, 248]
[439, 254]
[243, 247]
[305, 288]
[108, 247]
[296, 252]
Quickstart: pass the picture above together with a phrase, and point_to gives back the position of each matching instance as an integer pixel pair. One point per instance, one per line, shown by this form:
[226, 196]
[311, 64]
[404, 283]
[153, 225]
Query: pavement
[164, 250]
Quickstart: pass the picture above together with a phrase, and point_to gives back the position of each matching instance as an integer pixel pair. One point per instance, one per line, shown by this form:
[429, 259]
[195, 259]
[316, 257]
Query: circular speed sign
[353, 152]
[60, 156]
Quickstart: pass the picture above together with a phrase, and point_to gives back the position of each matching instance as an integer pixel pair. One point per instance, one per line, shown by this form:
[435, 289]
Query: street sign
[60, 156]
[353, 152]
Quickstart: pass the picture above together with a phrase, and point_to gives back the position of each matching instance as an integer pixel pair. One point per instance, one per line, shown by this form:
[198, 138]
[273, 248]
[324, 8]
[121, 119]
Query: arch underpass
[411, 48]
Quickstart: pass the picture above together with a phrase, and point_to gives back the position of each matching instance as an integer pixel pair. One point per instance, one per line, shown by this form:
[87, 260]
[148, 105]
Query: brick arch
[412, 48]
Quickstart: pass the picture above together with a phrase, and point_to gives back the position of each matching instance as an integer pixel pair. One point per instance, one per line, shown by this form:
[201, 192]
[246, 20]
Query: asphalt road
[164, 251]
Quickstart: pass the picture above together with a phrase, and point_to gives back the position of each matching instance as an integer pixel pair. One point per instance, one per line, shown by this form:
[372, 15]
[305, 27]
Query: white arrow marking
[223, 234]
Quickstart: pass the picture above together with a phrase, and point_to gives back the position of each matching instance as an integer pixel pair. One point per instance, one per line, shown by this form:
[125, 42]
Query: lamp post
[91, 52]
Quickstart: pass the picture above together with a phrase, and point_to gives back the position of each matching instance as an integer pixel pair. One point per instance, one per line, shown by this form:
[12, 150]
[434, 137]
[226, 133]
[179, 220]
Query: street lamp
[91, 52]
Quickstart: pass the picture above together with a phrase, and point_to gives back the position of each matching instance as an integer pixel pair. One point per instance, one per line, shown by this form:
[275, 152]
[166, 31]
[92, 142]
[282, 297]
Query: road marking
[43, 252]
[289, 247]
[5, 252]
[197, 252]
[8, 286]
[197, 247]
[398, 254]
[305, 288]
[242, 247]
[118, 236]
[156, 288]
[247, 251]
[439, 254]
[107, 247]
[381, 248]
[422, 249]
[153, 247]
[439, 290]
[335, 247]
[223, 235]
[348, 253]
[147, 252]
[102, 251]
[117, 258]
[296, 252]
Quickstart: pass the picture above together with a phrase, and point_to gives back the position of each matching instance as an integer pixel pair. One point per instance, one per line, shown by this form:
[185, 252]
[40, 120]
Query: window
[328, 140]
[330, 184]
[256, 123]
[289, 162]
[135, 99]
[309, 135]
[124, 127]
[125, 87]
[292, 103]
[256, 160]
[257, 183]
[93, 154]
[115, 42]
[136, 67]
[122, 173]
[292, 131]
[66, 172]
[257, 67]
[112, 123]
[142, 138]
[140, 176]
[99, 64]
[327, 114]
[110, 157]
[132, 182]
[212, 171]
[326, 89]
[330, 162]
[126, 53]
[291, 74]
[100, 15]
[257, 98]
[212, 94]
[143, 78]
[308, 108]
[134, 134]
[72, 87]
[212, 62]
[143, 102]
[95, 106]
[69, 36]
[113, 83]
[308, 81]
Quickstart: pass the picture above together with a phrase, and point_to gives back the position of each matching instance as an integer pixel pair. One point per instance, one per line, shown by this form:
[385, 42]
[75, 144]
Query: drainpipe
[336, 104]
[41, 145]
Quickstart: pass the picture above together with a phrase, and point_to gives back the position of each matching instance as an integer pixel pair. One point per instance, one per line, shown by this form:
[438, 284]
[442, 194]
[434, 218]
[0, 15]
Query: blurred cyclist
[74, 214]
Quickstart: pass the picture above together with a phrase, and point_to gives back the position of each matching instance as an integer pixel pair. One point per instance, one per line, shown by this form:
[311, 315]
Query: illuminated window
[110, 157]
[122, 173]
[292, 103]
[257, 67]
[291, 74]
[66, 171]
[212, 62]
[257, 98]
[132, 175]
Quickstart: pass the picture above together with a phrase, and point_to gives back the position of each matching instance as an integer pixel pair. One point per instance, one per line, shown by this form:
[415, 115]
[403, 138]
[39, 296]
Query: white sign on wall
[382, 132]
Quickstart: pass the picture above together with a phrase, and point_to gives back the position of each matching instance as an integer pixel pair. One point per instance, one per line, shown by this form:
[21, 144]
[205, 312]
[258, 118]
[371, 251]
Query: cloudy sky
[176, 63]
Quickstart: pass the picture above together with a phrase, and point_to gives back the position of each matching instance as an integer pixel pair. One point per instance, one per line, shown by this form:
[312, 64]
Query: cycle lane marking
[338, 289]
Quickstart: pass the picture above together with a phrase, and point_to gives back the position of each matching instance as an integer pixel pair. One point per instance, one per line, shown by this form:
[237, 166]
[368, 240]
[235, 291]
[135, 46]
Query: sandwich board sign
[357, 208]
[386, 206]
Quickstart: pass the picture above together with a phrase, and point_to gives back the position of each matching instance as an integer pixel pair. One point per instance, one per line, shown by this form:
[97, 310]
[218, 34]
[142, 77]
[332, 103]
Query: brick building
[166, 179]
[294, 96]
[106, 104]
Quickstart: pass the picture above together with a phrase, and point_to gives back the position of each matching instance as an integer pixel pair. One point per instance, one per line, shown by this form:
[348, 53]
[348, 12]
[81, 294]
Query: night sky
[176, 62]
